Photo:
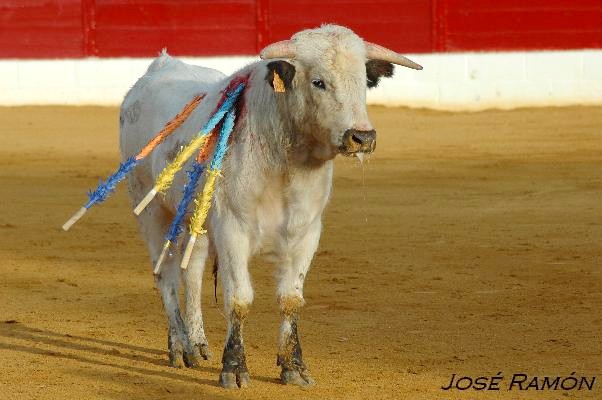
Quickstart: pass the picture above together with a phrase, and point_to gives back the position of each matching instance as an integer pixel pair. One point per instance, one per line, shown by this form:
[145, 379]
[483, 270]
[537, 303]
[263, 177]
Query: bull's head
[324, 74]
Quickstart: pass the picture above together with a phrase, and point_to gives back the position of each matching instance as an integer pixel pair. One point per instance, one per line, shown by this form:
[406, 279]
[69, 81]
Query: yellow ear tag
[278, 84]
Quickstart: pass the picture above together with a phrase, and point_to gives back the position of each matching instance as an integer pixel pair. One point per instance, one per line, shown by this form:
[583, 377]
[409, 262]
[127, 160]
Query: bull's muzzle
[355, 141]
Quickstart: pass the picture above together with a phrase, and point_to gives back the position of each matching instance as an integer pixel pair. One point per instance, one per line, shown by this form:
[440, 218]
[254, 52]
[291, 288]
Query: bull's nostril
[356, 139]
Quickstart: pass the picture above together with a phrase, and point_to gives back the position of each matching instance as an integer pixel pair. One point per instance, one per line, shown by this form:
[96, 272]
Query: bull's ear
[375, 69]
[280, 75]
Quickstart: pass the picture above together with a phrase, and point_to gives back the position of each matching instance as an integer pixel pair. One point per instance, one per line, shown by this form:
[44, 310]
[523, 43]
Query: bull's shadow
[64, 345]
[72, 342]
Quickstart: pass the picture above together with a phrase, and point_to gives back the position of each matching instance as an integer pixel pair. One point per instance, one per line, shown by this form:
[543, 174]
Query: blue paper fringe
[104, 189]
[222, 143]
[189, 190]
[197, 168]
[225, 107]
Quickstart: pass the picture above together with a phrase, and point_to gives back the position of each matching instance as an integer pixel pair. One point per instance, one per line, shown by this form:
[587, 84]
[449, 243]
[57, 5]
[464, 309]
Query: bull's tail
[215, 268]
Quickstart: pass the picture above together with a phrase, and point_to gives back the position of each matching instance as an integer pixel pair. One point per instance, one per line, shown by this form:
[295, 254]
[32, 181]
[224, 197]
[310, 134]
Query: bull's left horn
[282, 49]
[377, 52]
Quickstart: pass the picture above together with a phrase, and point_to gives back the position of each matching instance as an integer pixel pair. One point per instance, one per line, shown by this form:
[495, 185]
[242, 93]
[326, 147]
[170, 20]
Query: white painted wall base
[459, 81]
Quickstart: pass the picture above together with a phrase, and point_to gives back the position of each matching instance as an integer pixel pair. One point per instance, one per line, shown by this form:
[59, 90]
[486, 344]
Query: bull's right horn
[282, 49]
[377, 52]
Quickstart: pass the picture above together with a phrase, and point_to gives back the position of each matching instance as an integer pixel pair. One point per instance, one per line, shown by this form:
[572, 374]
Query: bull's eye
[318, 83]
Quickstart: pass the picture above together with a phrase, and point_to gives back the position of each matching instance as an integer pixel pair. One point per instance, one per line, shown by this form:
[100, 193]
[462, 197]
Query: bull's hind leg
[181, 352]
[293, 270]
[154, 222]
[193, 279]
[232, 246]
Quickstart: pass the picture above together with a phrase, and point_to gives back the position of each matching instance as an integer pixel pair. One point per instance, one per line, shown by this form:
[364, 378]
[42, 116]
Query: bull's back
[156, 98]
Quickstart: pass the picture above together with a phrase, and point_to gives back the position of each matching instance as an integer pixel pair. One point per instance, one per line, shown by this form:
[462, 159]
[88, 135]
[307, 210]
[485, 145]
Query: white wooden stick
[161, 258]
[80, 213]
[147, 199]
[188, 252]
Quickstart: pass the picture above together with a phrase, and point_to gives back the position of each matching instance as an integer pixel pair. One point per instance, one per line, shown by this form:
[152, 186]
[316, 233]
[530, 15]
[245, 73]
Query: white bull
[277, 178]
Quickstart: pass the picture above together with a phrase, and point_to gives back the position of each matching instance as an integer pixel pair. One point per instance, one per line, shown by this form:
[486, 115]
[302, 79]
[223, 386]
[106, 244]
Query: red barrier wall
[117, 28]
[39, 28]
[517, 24]
[404, 25]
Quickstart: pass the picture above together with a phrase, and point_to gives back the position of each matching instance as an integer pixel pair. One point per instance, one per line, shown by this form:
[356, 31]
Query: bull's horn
[282, 49]
[377, 52]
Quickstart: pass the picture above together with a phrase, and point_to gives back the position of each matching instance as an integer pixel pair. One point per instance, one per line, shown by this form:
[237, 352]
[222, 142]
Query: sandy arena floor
[468, 244]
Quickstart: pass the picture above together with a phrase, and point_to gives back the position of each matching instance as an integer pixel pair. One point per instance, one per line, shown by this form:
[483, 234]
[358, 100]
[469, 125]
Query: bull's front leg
[293, 270]
[235, 373]
[233, 252]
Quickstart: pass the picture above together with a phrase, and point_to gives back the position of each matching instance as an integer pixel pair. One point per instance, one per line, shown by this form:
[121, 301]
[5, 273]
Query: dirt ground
[469, 243]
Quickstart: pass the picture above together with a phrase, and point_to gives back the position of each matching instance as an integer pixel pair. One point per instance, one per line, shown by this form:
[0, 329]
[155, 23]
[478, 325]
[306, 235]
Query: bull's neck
[292, 150]
[273, 135]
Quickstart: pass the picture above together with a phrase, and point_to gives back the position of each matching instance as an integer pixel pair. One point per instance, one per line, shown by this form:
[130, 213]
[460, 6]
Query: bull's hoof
[176, 359]
[234, 380]
[181, 359]
[295, 377]
[195, 358]
[182, 354]
[192, 359]
[203, 349]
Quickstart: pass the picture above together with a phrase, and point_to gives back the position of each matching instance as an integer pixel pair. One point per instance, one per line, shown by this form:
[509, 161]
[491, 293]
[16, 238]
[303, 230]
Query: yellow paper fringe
[203, 203]
[165, 179]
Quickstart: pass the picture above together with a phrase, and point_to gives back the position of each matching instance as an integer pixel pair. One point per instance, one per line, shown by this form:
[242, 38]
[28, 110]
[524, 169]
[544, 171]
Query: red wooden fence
[117, 28]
